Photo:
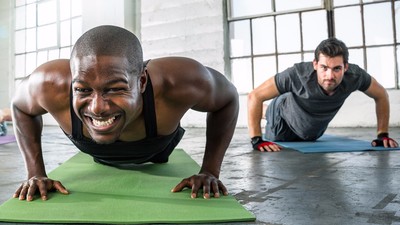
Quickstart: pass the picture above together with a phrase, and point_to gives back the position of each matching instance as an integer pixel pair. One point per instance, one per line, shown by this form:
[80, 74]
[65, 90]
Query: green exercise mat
[103, 194]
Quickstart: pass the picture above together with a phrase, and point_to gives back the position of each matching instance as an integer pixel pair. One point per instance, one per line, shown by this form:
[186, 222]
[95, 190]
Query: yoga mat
[102, 194]
[331, 143]
[7, 139]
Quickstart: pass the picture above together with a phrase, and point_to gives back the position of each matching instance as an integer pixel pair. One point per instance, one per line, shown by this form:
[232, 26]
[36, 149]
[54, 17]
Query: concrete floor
[278, 188]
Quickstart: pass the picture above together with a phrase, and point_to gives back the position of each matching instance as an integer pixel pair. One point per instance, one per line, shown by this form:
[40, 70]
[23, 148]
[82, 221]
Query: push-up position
[308, 95]
[121, 110]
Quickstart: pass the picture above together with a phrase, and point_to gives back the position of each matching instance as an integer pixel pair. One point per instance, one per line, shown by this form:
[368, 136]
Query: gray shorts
[276, 128]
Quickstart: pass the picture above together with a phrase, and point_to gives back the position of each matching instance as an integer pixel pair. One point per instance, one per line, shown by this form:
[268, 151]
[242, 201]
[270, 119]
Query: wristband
[258, 142]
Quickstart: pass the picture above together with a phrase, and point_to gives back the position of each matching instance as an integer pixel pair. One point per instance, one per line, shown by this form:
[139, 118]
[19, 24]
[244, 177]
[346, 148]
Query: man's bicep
[26, 98]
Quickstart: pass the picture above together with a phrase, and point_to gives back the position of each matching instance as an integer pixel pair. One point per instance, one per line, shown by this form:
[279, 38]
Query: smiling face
[330, 72]
[106, 95]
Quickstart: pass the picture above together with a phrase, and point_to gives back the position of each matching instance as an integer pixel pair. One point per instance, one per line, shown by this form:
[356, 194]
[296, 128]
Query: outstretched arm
[382, 108]
[255, 100]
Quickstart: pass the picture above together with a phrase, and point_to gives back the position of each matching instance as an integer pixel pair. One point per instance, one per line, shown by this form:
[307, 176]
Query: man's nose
[98, 105]
[329, 74]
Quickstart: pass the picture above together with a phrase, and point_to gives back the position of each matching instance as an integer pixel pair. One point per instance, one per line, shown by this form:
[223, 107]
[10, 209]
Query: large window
[44, 30]
[267, 36]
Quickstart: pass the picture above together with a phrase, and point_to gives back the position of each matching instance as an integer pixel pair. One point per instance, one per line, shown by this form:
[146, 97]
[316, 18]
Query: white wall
[6, 80]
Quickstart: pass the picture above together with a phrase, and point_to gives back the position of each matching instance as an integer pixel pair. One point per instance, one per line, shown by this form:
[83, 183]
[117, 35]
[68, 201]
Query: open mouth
[103, 123]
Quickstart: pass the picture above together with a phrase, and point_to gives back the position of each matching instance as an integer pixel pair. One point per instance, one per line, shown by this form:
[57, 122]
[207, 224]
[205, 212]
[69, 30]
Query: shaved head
[110, 41]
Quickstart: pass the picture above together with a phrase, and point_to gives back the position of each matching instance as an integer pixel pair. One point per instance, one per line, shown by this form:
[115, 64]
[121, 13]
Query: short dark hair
[332, 47]
[111, 41]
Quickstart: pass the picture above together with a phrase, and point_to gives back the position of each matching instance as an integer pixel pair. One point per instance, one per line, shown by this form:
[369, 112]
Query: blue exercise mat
[331, 143]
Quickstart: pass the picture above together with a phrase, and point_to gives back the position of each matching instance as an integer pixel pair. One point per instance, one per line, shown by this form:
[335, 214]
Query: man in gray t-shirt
[308, 95]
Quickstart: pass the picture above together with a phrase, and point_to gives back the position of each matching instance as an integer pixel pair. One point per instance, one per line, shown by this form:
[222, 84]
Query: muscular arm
[264, 92]
[382, 108]
[34, 96]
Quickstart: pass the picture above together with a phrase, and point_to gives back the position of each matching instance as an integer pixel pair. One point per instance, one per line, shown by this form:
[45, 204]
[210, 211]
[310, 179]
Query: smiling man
[123, 111]
[308, 95]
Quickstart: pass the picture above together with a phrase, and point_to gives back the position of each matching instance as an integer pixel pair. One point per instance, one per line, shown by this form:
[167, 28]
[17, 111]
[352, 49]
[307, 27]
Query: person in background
[308, 95]
[5, 115]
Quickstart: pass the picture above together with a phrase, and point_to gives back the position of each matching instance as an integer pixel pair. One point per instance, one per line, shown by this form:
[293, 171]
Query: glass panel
[285, 5]
[398, 66]
[345, 2]
[19, 66]
[76, 8]
[19, 2]
[76, 29]
[288, 33]
[47, 36]
[65, 53]
[348, 25]
[54, 54]
[240, 38]
[308, 57]
[239, 8]
[47, 12]
[241, 74]
[315, 29]
[356, 56]
[30, 62]
[286, 61]
[31, 15]
[31, 39]
[380, 63]
[397, 21]
[264, 68]
[65, 9]
[65, 33]
[20, 41]
[41, 57]
[263, 36]
[31, 1]
[378, 24]
[20, 17]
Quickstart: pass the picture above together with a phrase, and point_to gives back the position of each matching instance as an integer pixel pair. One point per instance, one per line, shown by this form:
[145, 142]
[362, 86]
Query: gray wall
[6, 81]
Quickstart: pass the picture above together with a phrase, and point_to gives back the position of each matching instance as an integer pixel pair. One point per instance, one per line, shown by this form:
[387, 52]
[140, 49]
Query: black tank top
[153, 148]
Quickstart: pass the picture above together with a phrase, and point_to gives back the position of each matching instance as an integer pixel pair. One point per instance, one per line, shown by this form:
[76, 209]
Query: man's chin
[103, 140]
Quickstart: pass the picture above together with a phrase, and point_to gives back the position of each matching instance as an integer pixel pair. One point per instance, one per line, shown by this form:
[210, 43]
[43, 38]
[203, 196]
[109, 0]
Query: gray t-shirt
[308, 110]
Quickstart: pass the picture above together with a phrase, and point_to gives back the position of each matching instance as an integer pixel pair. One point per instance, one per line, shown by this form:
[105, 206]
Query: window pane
[239, 8]
[286, 61]
[264, 68]
[76, 8]
[41, 57]
[378, 24]
[285, 5]
[30, 62]
[19, 66]
[288, 33]
[47, 36]
[345, 2]
[65, 9]
[398, 66]
[381, 65]
[241, 74]
[240, 38]
[65, 33]
[65, 53]
[20, 17]
[356, 56]
[315, 29]
[348, 25]
[47, 12]
[31, 39]
[397, 21]
[308, 57]
[76, 29]
[19, 2]
[20, 41]
[263, 36]
[54, 54]
[31, 15]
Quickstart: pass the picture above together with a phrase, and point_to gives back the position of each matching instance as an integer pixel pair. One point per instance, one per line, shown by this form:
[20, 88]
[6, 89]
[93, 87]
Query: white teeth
[99, 123]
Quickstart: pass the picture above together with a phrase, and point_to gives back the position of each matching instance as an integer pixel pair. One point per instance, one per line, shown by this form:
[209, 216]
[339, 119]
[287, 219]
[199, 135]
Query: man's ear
[315, 64]
[346, 67]
[143, 81]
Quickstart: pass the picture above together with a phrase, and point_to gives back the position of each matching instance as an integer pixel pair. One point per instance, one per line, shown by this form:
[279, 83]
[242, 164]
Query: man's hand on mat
[383, 139]
[38, 184]
[207, 182]
[264, 146]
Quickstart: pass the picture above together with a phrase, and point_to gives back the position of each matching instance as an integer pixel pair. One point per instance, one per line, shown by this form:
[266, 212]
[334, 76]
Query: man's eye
[82, 90]
[115, 90]
[337, 69]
